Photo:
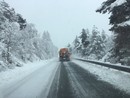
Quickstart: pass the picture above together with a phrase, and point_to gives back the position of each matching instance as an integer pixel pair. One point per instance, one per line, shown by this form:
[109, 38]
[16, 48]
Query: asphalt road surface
[72, 81]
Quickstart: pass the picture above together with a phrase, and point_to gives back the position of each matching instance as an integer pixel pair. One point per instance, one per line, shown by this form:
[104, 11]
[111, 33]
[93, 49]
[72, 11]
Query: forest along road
[72, 81]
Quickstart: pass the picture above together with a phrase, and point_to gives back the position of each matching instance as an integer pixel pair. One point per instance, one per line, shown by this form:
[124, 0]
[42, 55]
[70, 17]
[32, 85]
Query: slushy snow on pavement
[119, 79]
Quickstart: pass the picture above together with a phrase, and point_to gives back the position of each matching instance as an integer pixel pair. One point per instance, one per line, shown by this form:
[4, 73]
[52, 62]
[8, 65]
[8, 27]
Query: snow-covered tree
[90, 45]
[96, 49]
[48, 45]
[76, 45]
[20, 41]
[22, 22]
[7, 28]
[84, 38]
[103, 35]
[120, 21]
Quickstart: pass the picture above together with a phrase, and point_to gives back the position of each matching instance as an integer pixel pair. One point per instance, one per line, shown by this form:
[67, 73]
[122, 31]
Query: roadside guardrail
[121, 68]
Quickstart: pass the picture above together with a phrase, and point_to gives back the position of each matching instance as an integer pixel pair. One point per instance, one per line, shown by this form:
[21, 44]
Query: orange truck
[64, 54]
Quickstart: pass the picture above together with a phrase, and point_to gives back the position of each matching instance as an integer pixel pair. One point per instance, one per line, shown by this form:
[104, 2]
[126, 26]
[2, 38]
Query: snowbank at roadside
[117, 78]
[11, 75]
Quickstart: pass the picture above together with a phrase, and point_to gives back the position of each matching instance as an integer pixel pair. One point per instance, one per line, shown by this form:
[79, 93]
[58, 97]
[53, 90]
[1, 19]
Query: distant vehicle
[64, 54]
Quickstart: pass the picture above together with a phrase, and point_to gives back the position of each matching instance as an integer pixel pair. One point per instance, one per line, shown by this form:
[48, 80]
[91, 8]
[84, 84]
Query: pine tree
[96, 49]
[84, 38]
[84, 41]
[77, 45]
[22, 22]
[104, 36]
[119, 16]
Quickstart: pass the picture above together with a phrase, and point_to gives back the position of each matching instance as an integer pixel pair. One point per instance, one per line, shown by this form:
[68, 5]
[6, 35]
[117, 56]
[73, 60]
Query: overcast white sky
[64, 19]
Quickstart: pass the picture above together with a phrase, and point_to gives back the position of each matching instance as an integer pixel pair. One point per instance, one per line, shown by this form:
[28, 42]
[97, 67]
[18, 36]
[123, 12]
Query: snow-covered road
[34, 84]
[73, 79]
[117, 78]
[79, 82]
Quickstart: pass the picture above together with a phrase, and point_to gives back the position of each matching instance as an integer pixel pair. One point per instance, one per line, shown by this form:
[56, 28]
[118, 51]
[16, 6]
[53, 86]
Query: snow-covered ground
[119, 79]
[11, 79]
[23, 82]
